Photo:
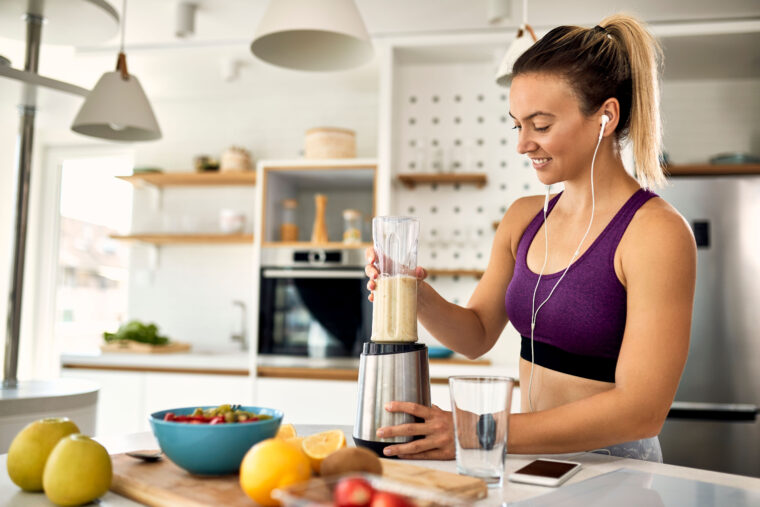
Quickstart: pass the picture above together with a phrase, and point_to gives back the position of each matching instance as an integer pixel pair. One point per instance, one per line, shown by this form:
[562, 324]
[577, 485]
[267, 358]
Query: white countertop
[593, 465]
[239, 361]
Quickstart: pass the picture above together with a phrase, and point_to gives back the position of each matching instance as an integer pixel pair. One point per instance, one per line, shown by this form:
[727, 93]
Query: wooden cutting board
[132, 346]
[163, 484]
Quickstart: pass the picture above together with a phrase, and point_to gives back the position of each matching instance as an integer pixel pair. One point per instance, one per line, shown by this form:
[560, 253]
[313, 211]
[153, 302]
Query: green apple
[78, 471]
[31, 447]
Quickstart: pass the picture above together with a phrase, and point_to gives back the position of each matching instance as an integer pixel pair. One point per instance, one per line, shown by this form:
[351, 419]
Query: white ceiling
[171, 68]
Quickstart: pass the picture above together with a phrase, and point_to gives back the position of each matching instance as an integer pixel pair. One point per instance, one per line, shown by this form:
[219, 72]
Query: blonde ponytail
[645, 132]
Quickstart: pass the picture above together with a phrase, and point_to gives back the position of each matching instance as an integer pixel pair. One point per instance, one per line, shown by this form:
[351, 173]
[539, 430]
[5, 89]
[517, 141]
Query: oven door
[314, 312]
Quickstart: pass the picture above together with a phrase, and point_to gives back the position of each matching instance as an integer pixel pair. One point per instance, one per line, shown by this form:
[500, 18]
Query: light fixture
[117, 108]
[525, 39]
[307, 35]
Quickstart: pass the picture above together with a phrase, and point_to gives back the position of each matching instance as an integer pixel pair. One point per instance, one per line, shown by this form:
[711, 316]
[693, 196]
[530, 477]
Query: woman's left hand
[438, 430]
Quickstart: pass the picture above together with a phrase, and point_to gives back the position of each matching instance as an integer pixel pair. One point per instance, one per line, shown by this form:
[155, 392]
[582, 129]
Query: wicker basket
[330, 142]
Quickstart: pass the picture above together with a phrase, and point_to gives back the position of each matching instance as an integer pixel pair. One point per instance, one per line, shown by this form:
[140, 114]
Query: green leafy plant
[137, 331]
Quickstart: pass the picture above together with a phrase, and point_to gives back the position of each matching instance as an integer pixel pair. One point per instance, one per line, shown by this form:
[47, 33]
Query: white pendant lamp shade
[117, 109]
[324, 35]
[525, 39]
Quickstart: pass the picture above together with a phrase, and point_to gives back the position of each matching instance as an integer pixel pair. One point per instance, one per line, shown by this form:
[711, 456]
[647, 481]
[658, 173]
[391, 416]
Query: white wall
[704, 118]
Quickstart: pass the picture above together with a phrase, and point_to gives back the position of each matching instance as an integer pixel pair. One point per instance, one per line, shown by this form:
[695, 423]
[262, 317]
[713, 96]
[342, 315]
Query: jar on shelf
[352, 226]
[288, 227]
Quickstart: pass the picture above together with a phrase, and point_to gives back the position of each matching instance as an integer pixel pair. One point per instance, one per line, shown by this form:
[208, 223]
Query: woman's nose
[524, 143]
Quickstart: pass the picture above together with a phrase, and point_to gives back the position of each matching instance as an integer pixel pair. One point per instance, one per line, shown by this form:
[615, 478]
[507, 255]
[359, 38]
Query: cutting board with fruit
[162, 483]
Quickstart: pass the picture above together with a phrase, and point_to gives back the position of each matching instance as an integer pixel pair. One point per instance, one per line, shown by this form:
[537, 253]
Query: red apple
[386, 499]
[352, 492]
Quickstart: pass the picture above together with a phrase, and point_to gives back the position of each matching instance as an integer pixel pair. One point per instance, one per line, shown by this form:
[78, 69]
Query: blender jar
[394, 312]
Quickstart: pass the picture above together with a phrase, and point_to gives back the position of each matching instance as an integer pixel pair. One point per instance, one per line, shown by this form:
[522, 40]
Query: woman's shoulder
[658, 230]
[517, 217]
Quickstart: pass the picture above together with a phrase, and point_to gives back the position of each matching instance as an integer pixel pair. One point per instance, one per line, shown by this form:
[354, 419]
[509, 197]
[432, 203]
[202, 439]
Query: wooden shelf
[187, 239]
[307, 244]
[236, 178]
[712, 170]
[411, 180]
[477, 273]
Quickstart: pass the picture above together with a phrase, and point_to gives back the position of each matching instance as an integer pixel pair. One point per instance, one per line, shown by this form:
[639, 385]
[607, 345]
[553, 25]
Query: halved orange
[320, 445]
[286, 431]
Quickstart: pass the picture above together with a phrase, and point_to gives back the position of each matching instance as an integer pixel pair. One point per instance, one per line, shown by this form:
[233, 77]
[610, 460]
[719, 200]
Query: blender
[392, 365]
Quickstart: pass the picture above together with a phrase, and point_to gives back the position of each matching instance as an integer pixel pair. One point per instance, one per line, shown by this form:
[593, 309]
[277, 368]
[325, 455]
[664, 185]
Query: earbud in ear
[605, 120]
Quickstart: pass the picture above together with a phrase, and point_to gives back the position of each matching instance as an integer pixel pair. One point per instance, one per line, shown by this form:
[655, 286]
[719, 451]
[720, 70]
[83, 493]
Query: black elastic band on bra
[554, 358]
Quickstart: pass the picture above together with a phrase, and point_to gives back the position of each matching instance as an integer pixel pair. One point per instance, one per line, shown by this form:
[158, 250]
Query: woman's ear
[610, 108]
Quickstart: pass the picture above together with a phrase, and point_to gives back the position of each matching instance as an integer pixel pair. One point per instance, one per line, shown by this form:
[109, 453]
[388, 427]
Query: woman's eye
[542, 129]
[516, 127]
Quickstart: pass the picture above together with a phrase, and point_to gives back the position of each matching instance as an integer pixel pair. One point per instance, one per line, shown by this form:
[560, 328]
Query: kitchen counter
[267, 366]
[593, 465]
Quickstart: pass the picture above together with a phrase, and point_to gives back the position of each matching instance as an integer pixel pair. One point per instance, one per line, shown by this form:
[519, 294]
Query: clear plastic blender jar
[394, 313]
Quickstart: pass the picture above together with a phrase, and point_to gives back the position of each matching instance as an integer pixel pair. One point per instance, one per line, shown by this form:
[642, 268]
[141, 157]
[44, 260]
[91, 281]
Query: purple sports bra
[580, 329]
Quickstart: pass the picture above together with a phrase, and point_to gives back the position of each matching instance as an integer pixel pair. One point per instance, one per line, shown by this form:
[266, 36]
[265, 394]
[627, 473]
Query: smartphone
[545, 472]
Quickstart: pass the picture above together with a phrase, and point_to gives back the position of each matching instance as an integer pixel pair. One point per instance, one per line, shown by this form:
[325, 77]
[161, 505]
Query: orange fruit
[286, 431]
[320, 445]
[271, 464]
[295, 441]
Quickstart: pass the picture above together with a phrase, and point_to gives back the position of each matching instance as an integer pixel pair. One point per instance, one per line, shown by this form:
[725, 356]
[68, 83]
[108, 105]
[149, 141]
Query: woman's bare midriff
[552, 388]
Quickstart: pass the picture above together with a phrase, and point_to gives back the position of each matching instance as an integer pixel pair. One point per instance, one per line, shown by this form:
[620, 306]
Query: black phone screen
[543, 468]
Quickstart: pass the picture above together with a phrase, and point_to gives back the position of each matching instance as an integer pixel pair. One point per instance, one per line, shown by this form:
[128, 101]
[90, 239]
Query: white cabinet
[309, 401]
[120, 400]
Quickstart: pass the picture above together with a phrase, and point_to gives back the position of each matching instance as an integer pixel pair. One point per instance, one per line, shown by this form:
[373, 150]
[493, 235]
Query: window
[92, 272]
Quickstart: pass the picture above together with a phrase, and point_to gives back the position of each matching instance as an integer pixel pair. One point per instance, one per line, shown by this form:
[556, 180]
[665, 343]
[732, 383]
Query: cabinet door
[121, 407]
[309, 401]
[174, 390]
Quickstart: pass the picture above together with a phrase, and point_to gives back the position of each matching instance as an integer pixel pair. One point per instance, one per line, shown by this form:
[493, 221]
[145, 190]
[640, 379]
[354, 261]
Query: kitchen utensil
[436, 352]
[147, 455]
[319, 232]
[392, 366]
[211, 449]
[162, 483]
[132, 346]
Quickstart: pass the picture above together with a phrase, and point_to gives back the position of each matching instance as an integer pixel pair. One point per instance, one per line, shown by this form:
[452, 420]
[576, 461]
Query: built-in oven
[313, 302]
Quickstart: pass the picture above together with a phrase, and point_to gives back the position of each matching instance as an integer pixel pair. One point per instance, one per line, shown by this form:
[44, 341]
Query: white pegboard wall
[454, 118]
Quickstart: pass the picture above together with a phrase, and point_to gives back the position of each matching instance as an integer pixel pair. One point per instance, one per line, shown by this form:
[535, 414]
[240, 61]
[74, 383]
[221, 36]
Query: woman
[605, 270]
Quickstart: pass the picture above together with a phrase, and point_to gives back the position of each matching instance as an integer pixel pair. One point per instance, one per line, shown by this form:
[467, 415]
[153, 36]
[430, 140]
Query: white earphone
[534, 311]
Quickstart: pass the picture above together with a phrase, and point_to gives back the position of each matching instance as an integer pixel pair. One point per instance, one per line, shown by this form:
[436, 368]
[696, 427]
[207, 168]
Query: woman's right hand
[372, 272]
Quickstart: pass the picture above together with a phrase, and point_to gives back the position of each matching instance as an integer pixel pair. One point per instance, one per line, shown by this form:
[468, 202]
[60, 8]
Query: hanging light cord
[123, 23]
[525, 13]
[121, 61]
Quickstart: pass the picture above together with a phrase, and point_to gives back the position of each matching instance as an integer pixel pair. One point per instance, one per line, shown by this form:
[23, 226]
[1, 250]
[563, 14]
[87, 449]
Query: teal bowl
[211, 449]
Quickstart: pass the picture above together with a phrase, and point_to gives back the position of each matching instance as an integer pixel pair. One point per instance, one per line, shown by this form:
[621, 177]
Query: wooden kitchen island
[745, 490]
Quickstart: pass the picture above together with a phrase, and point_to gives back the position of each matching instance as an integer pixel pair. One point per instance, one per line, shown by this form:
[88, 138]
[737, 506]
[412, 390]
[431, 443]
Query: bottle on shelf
[352, 226]
[288, 227]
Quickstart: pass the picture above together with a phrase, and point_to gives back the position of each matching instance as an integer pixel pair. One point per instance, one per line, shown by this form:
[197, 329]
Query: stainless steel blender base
[389, 372]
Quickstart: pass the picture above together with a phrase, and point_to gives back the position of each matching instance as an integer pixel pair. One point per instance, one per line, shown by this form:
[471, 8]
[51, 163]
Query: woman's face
[553, 132]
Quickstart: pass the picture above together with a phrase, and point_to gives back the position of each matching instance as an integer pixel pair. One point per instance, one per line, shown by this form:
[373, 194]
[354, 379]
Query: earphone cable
[534, 310]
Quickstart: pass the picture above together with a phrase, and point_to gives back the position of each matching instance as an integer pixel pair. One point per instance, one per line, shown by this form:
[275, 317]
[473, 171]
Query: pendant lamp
[117, 108]
[324, 35]
[525, 39]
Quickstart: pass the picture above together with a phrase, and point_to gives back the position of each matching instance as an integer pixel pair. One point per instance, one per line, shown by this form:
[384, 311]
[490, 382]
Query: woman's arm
[474, 329]
[658, 258]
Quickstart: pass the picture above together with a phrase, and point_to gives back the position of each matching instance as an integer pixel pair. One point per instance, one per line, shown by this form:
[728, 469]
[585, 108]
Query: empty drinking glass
[481, 415]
